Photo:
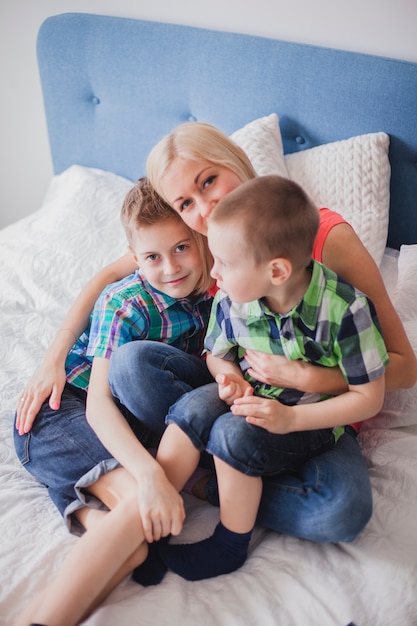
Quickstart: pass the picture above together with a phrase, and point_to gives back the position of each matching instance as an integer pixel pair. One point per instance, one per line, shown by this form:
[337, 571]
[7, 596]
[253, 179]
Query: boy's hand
[232, 386]
[269, 414]
[160, 506]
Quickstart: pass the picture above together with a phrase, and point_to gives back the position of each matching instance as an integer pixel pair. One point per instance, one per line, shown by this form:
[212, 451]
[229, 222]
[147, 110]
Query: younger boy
[273, 298]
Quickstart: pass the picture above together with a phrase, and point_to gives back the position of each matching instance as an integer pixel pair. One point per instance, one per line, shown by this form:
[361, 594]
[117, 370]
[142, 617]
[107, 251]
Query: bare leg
[239, 496]
[177, 456]
[98, 561]
[226, 550]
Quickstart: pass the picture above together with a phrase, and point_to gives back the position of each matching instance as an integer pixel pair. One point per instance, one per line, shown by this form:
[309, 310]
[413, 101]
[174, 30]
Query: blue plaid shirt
[129, 310]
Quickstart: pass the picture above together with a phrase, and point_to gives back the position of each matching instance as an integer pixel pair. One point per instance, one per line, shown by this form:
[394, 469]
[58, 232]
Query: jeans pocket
[22, 447]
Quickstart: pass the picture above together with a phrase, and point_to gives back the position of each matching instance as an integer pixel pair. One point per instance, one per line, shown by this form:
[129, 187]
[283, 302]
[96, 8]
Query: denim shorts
[249, 449]
[63, 452]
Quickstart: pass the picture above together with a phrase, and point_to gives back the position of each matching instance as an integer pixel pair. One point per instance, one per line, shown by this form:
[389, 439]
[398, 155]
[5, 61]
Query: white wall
[382, 27]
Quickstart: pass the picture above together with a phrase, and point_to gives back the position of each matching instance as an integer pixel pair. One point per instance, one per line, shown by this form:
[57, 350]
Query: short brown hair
[143, 206]
[275, 216]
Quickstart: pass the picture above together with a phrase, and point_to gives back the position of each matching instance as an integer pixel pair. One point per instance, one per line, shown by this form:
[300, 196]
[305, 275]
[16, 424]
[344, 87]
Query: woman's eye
[209, 181]
[181, 248]
[184, 206]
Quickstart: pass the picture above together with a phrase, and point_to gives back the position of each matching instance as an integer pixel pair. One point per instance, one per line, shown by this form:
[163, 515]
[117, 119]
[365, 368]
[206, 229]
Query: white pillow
[262, 142]
[351, 177]
[78, 227]
[400, 407]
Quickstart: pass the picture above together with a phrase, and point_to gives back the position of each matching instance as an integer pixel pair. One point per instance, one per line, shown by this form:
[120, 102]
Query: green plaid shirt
[334, 324]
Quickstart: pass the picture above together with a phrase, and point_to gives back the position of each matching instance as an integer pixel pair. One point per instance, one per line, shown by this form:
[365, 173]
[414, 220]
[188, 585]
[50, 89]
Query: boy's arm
[359, 403]
[229, 378]
[160, 505]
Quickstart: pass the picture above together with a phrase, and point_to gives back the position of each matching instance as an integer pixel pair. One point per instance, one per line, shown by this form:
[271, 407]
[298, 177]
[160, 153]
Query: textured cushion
[400, 407]
[351, 177]
[261, 140]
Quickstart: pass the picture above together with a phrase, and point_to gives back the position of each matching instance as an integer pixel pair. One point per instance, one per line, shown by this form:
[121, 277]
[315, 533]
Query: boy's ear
[280, 270]
[132, 252]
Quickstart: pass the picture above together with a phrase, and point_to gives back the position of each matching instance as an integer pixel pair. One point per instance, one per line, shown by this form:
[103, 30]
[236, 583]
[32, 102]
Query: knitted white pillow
[351, 177]
[261, 140]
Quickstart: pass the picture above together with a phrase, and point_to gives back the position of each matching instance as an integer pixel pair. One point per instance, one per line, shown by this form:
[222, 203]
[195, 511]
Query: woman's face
[193, 188]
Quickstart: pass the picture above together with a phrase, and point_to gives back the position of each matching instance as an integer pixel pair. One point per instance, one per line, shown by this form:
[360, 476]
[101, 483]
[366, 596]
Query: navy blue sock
[153, 569]
[222, 553]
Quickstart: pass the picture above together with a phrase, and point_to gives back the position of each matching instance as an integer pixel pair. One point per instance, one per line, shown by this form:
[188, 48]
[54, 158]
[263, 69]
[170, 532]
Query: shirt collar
[163, 301]
[306, 309]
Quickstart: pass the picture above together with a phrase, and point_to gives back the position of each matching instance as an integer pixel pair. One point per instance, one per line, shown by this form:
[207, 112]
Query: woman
[193, 168]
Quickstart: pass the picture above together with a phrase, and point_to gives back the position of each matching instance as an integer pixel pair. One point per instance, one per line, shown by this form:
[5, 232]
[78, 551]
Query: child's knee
[138, 557]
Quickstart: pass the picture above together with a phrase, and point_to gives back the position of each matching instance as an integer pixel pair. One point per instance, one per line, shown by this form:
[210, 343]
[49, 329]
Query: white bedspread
[44, 261]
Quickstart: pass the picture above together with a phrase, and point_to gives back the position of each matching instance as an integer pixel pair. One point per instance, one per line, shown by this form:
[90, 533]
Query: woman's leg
[328, 499]
[106, 553]
[147, 377]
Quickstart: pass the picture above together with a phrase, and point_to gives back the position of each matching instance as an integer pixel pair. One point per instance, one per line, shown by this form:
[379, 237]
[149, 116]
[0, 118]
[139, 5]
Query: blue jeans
[209, 424]
[328, 498]
[63, 452]
[147, 377]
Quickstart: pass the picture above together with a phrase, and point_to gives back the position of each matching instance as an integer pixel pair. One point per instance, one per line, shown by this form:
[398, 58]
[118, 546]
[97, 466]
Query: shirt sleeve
[115, 321]
[217, 338]
[362, 352]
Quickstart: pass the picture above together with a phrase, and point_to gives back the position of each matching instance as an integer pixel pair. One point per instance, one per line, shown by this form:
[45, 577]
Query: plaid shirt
[334, 324]
[131, 309]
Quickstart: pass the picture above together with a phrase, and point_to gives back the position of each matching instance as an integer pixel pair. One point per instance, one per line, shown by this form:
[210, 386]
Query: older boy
[92, 453]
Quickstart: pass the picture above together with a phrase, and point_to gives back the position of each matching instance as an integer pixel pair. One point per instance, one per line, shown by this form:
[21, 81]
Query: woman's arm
[359, 403]
[345, 254]
[160, 505]
[49, 378]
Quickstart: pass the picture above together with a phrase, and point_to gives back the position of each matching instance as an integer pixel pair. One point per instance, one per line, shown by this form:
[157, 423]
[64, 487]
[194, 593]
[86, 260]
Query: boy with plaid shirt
[273, 298]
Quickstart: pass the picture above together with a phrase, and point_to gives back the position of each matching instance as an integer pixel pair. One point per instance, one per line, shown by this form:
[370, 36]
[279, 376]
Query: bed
[340, 123]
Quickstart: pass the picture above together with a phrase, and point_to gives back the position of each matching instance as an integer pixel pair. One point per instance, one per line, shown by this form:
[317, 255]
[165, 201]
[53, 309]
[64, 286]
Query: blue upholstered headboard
[113, 86]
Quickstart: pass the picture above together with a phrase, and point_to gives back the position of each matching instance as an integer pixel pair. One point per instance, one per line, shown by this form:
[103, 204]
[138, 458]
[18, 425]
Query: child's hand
[160, 506]
[269, 414]
[232, 386]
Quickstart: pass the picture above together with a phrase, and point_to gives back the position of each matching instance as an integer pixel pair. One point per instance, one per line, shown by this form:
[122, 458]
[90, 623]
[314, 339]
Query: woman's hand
[160, 505]
[46, 382]
[276, 370]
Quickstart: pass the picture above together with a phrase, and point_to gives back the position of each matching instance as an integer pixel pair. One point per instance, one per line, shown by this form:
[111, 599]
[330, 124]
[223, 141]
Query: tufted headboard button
[95, 100]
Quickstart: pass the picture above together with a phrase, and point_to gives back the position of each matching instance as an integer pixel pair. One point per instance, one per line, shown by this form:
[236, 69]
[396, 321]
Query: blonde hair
[197, 141]
[143, 206]
[275, 216]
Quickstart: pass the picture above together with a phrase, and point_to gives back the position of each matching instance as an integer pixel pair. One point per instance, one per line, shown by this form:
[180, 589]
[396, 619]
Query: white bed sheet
[44, 261]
